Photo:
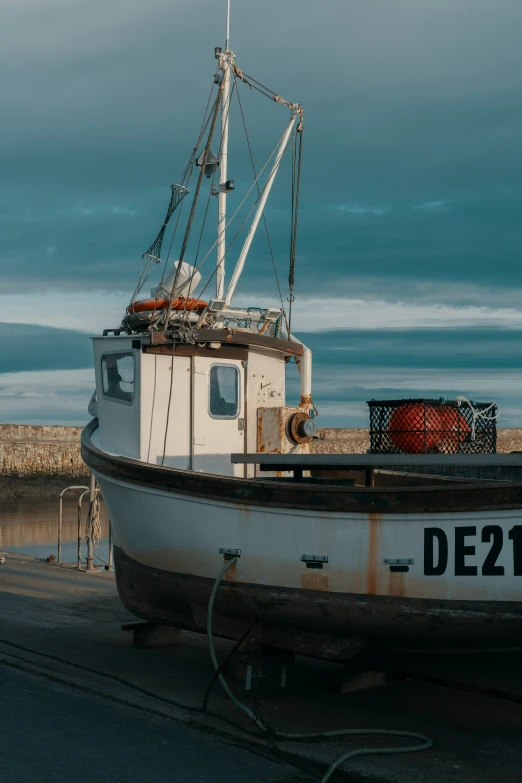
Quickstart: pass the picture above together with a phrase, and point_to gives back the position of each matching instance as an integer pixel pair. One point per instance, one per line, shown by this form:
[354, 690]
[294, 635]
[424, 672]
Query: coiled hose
[426, 742]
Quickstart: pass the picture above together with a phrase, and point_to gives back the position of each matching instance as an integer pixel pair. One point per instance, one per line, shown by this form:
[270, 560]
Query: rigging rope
[294, 107]
[264, 217]
[93, 524]
[194, 204]
[153, 253]
[178, 194]
[185, 181]
[476, 414]
[153, 316]
[249, 213]
[164, 316]
[204, 125]
[266, 91]
[242, 202]
[210, 193]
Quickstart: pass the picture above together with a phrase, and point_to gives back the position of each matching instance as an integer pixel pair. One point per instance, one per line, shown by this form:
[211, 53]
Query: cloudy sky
[408, 279]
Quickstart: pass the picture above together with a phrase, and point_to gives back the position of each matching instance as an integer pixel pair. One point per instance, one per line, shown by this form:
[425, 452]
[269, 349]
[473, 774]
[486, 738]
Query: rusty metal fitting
[301, 428]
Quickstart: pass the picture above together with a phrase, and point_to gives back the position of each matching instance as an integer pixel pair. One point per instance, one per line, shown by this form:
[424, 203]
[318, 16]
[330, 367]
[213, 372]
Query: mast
[226, 59]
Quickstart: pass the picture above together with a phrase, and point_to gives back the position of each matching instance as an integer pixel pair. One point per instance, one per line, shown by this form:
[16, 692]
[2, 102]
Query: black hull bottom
[332, 626]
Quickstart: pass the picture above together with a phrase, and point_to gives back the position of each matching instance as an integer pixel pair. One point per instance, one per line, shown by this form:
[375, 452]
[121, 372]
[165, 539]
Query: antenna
[228, 26]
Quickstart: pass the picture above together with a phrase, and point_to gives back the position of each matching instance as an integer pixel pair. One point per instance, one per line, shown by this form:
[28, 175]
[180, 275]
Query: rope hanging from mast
[154, 252]
[210, 194]
[194, 204]
[245, 220]
[283, 310]
[266, 91]
[206, 160]
[240, 205]
[187, 174]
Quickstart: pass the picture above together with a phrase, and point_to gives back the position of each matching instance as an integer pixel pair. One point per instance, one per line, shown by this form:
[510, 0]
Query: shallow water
[30, 526]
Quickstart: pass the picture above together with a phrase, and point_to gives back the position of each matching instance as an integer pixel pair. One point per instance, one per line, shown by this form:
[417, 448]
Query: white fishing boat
[199, 457]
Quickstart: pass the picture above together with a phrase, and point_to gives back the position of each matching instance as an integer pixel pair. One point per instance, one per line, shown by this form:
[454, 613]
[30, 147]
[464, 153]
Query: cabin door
[218, 414]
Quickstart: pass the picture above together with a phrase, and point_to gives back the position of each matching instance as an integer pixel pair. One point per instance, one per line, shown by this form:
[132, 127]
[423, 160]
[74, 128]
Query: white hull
[167, 556]
[183, 534]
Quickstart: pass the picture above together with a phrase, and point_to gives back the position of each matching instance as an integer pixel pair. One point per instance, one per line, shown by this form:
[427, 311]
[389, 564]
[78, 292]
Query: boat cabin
[190, 406]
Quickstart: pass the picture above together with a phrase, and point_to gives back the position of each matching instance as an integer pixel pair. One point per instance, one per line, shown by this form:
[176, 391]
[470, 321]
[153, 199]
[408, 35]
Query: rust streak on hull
[373, 553]
[314, 580]
[396, 585]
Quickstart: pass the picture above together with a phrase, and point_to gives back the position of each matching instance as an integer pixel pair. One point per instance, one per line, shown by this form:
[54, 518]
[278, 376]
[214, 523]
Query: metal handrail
[80, 501]
[85, 491]
[60, 516]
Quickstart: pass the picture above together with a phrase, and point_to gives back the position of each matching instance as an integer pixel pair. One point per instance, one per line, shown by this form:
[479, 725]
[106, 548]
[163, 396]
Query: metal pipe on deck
[265, 192]
[306, 376]
[305, 366]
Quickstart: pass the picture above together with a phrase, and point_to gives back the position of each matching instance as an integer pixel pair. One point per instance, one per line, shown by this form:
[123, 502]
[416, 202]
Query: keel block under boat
[145, 634]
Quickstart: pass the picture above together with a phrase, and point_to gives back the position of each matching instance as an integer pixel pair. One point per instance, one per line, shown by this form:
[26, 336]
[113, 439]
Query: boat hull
[334, 627]
[461, 586]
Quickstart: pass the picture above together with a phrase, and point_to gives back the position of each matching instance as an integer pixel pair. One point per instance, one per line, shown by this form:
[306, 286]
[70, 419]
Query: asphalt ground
[99, 706]
[57, 734]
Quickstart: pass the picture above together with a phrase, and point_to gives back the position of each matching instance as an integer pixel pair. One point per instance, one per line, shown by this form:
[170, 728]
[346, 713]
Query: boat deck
[394, 469]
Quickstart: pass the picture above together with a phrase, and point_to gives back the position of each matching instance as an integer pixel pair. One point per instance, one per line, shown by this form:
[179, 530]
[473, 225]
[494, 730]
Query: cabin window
[118, 376]
[224, 391]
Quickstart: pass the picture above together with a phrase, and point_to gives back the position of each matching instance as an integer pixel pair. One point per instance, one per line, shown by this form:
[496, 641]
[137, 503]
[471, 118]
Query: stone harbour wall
[357, 441]
[341, 441]
[27, 450]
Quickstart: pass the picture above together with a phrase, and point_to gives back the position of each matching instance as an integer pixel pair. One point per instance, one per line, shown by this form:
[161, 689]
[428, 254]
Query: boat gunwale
[461, 498]
[236, 337]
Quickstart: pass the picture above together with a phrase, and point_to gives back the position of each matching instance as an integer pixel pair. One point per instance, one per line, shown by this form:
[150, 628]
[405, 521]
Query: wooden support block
[361, 681]
[146, 634]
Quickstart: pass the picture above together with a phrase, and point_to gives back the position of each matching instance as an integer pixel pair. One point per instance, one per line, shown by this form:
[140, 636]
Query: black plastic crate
[422, 426]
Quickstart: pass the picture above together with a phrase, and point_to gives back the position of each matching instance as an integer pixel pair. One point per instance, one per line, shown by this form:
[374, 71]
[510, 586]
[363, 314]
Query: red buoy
[415, 427]
[454, 429]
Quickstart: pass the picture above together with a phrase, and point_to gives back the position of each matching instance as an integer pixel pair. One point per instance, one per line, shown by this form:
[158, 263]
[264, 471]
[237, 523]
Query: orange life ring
[181, 303]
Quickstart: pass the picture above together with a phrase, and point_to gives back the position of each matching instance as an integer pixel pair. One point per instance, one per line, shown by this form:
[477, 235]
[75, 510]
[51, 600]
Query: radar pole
[226, 60]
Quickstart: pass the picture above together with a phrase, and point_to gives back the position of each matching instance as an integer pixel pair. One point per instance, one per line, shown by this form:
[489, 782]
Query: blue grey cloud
[412, 180]
[353, 366]
[26, 347]
[46, 375]
[413, 135]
